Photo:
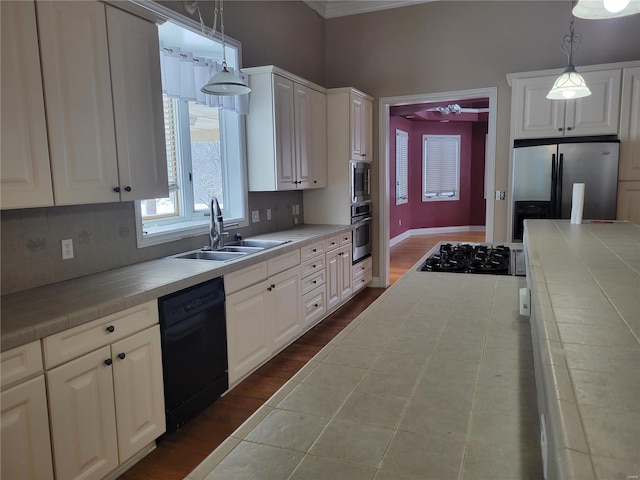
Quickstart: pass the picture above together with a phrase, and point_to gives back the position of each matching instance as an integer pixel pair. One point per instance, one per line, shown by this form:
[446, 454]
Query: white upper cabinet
[360, 127]
[25, 176]
[537, 117]
[629, 167]
[89, 50]
[286, 131]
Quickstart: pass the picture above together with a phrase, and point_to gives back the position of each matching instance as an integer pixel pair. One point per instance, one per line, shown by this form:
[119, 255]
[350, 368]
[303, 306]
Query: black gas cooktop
[470, 258]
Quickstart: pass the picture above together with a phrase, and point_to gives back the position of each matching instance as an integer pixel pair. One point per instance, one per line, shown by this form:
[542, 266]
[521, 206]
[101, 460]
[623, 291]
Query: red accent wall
[470, 208]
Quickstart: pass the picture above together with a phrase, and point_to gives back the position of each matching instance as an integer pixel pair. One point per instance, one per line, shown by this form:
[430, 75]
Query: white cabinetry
[25, 175]
[262, 317]
[26, 448]
[361, 274]
[338, 267]
[629, 165]
[349, 132]
[286, 131]
[105, 393]
[537, 117]
[101, 76]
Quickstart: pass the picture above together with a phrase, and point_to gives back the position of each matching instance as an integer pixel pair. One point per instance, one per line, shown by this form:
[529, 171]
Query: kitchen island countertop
[36, 313]
[585, 287]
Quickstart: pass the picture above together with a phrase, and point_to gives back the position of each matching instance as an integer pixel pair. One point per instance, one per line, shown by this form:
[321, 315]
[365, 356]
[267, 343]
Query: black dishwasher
[194, 350]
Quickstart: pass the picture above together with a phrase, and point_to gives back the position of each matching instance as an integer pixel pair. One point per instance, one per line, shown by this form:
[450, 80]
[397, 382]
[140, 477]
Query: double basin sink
[232, 250]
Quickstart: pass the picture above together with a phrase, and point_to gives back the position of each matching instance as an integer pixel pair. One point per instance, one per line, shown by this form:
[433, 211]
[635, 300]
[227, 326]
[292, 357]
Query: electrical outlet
[268, 214]
[499, 195]
[67, 249]
[255, 216]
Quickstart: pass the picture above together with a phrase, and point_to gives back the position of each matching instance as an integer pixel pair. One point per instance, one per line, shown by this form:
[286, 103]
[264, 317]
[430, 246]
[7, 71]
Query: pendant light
[223, 83]
[596, 9]
[570, 84]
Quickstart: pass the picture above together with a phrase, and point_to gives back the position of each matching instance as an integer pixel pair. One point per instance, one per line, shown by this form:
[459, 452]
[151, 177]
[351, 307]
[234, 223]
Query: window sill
[178, 231]
[440, 199]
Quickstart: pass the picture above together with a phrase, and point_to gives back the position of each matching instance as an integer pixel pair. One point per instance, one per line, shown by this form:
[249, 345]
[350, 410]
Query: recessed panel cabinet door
[25, 173]
[134, 53]
[284, 132]
[26, 449]
[139, 394]
[82, 416]
[287, 302]
[77, 86]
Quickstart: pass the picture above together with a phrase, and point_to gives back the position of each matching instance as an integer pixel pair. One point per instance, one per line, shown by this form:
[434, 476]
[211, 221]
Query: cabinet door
[534, 115]
[77, 86]
[249, 339]
[83, 421]
[303, 102]
[26, 449]
[284, 132]
[333, 279]
[286, 293]
[629, 166]
[139, 393]
[345, 271]
[367, 131]
[318, 161]
[25, 172]
[356, 128]
[134, 54]
[599, 113]
[629, 201]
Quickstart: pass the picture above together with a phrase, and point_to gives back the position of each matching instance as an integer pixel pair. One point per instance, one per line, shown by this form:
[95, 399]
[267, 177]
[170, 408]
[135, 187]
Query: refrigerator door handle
[554, 185]
[559, 186]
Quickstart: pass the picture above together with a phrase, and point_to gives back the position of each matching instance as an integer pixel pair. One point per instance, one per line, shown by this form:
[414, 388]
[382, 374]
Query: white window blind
[402, 167]
[440, 167]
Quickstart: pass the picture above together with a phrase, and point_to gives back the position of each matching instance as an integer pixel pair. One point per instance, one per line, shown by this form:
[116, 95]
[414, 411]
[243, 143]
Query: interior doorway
[386, 105]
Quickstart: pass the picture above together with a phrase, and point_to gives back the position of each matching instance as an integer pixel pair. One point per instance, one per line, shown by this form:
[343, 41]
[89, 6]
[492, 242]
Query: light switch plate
[268, 214]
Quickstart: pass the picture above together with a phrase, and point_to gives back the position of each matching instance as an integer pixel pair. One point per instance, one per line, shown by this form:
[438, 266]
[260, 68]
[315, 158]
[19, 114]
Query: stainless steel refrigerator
[543, 178]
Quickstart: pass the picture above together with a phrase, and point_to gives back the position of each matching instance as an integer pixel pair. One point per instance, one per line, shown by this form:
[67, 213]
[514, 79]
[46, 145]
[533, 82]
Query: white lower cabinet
[361, 274]
[26, 448]
[338, 265]
[261, 319]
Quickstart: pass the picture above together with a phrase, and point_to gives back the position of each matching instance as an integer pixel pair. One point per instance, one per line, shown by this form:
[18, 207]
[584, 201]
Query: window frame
[171, 230]
[438, 196]
[402, 167]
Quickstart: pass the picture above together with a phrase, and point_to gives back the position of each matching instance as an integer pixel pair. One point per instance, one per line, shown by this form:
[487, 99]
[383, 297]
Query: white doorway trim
[385, 104]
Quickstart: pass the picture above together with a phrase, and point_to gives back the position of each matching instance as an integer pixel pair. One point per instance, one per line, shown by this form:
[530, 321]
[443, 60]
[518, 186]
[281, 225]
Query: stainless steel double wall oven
[361, 209]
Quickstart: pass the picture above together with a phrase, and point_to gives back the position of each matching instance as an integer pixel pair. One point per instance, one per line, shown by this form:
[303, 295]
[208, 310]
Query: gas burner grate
[469, 258]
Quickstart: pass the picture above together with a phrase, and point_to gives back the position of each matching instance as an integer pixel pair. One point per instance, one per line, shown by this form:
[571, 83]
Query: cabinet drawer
[20, 363]
[312, 266]
[360, 268]
[313, 281]
[314, 304]
[362, 280]
[244, 278]
[311, 251]
[76, 341]
[283, 262]
[332, 242]
[345, 238]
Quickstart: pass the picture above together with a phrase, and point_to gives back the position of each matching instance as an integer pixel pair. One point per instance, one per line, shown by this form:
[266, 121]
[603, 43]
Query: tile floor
[433, 381]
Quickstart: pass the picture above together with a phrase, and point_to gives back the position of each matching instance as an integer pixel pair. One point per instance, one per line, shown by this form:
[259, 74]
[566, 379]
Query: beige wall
[450, 45]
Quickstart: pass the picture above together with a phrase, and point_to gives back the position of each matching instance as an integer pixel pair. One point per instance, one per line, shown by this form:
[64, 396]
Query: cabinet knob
[127, 188]
[116, 189]
[314, 250]
[313, 266]
[569, 128]
[121, 356]
[363, 155]
[108, 361]
[111, 329]
[314, 282]
[315, 305]
[273, 285]
[560, 129]
[315, 181]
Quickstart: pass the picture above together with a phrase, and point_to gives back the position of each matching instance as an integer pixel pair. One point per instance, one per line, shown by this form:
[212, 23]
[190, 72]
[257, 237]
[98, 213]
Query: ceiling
[342, 8]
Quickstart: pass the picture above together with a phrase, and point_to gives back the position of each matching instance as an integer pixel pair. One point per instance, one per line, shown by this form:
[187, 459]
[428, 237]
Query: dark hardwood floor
[180, 453]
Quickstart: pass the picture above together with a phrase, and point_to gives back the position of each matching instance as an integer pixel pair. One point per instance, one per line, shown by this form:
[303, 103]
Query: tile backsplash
[104, 237]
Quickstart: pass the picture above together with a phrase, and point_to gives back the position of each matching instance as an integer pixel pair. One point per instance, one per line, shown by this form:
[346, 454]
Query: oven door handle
[365, 219]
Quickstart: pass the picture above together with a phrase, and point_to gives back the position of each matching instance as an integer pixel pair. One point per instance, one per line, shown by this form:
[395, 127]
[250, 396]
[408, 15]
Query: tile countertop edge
[569, 454]
[62, 305]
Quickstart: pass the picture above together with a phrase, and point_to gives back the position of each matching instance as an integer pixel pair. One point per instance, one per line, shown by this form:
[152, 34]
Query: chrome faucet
[216, 225]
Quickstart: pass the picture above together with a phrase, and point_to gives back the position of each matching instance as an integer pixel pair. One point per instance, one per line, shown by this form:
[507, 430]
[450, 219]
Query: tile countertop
[585, 283]
[39, 312]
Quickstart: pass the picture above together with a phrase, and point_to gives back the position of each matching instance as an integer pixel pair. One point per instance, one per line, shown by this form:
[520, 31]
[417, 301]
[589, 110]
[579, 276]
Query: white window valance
[183, 75]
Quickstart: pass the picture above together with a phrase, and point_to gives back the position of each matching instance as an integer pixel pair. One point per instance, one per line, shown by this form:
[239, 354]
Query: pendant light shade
[225, 83]
[569, 85]
[596, 9]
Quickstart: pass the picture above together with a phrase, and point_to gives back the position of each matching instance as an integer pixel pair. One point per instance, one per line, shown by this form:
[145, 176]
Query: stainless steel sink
[256, 243]
[242, 249]
[219, 256]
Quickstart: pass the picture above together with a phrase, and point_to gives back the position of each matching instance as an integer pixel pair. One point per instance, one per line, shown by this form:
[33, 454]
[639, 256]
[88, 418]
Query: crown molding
[342, 8]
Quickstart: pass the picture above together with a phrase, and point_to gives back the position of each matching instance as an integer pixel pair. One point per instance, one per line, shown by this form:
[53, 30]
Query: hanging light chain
[568, 41]
[217, 10]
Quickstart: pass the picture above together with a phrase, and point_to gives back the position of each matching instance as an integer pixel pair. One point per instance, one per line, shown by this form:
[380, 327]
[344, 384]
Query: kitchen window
[440, 167]
[402, 167]
[205, 138]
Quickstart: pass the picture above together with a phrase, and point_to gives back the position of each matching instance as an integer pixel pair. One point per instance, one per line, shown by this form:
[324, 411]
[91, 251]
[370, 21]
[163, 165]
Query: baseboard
[435, 230]
[375, 283]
